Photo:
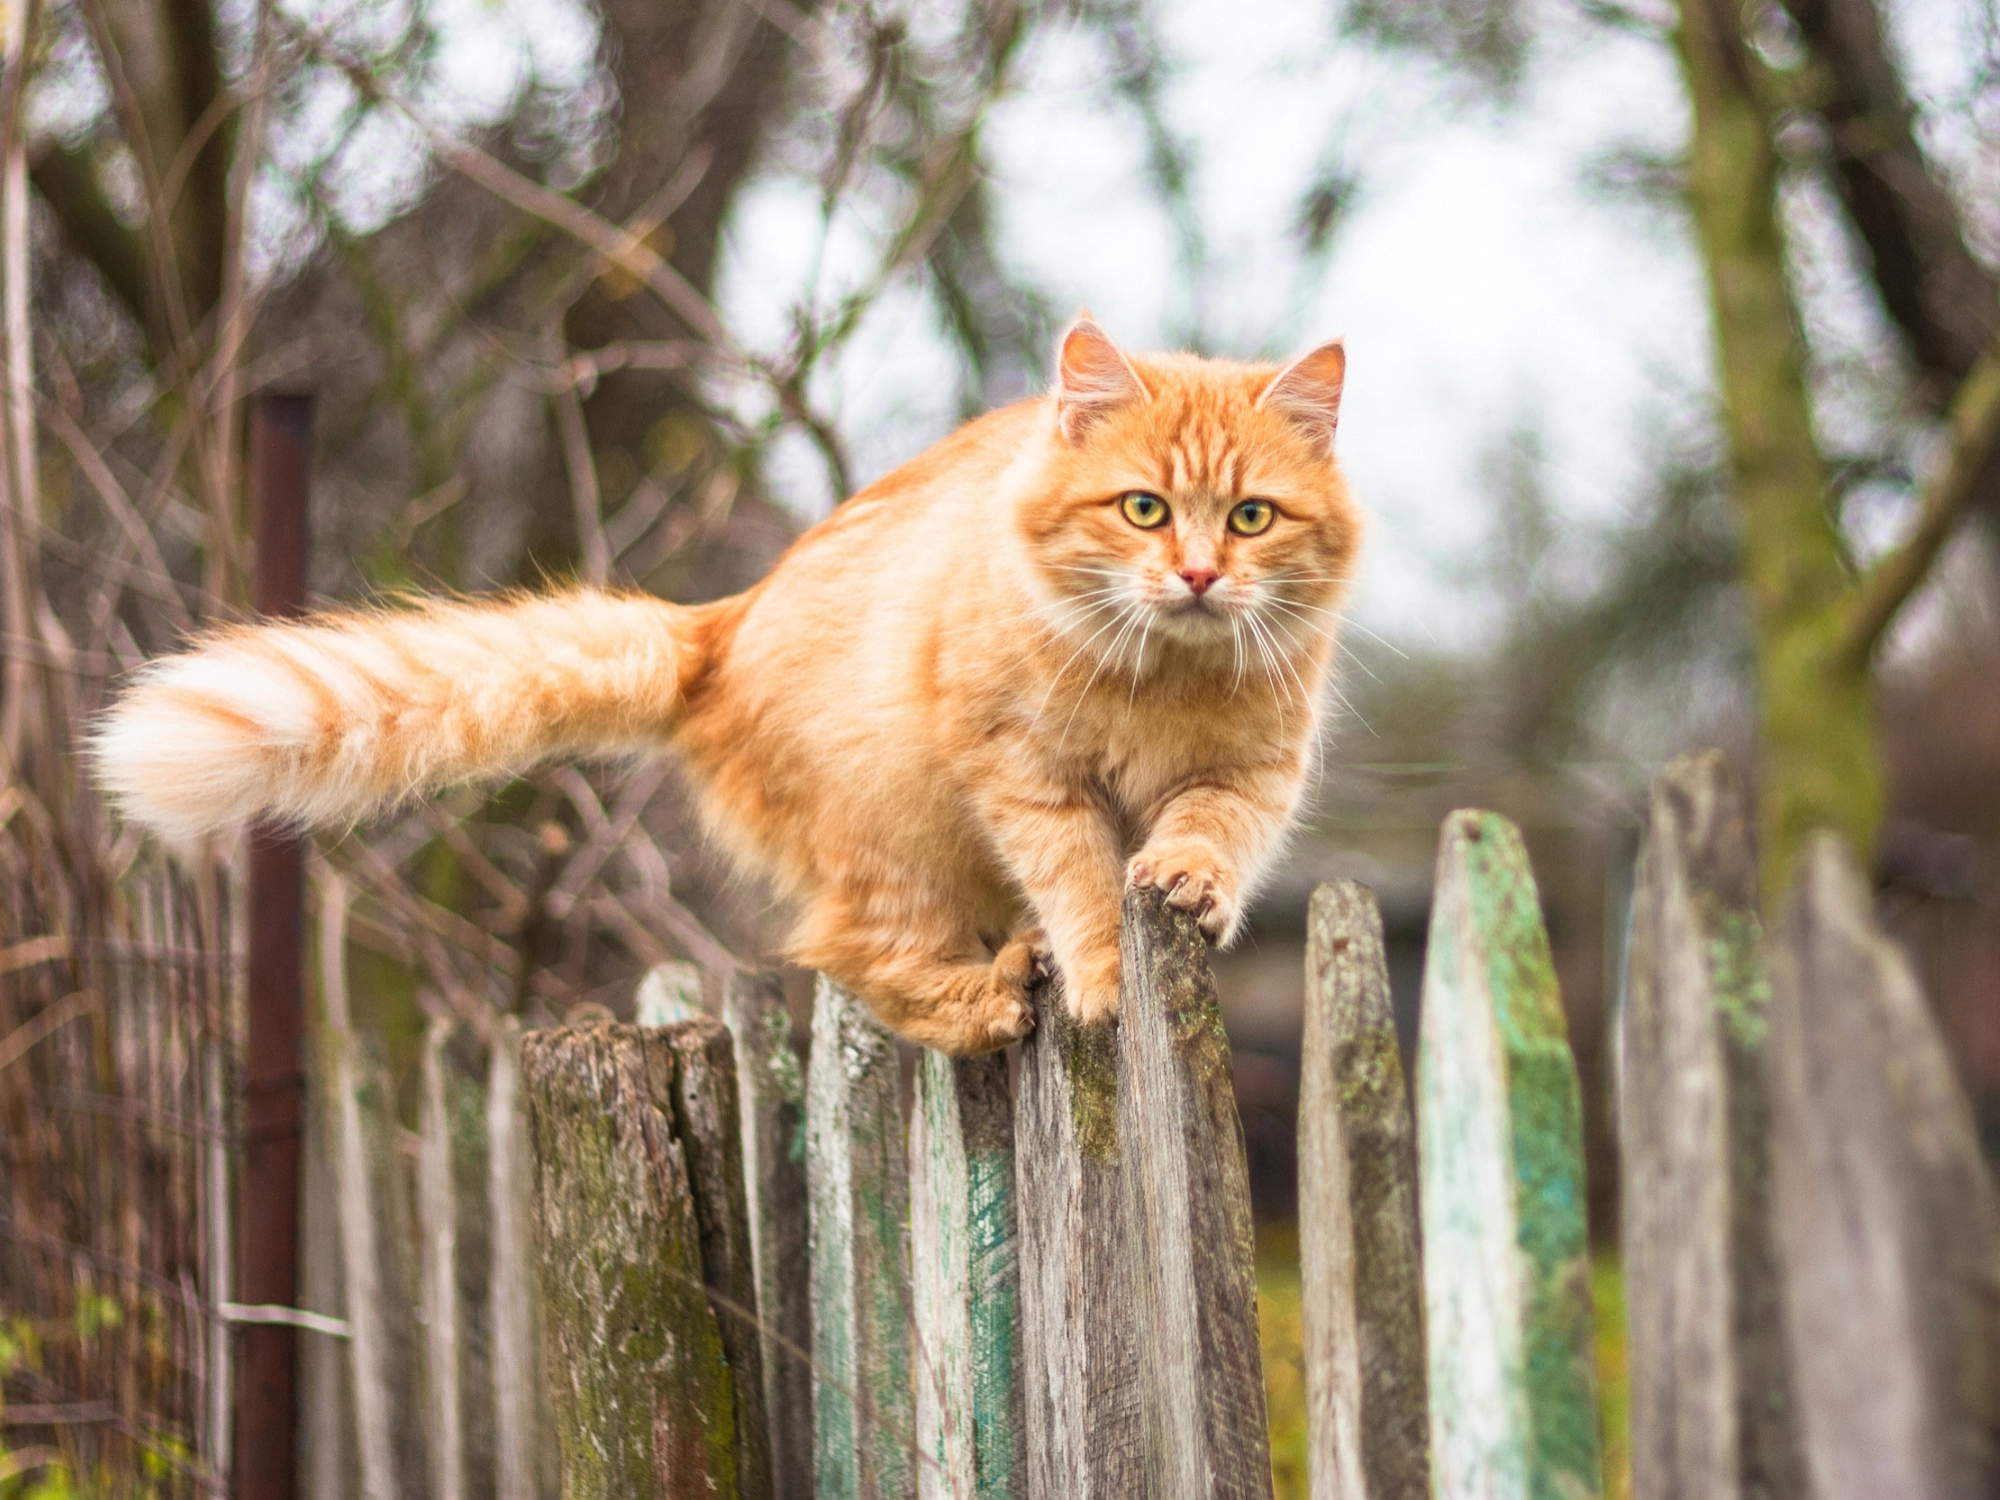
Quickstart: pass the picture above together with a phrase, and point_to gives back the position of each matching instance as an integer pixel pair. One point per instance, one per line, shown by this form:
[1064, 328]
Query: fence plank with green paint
[1887, 1223]
[1506, 1268]
[1368, 1421]
[771, 1085]
[1711, 1407]
[857, 1180]
[964, 1260]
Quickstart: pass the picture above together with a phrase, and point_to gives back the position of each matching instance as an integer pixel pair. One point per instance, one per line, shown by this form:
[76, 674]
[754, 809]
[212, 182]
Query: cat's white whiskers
[1131, 616]
[1346, 652]
[1284, 662]
[1381, 640]
[1139, 666]
[1297, 624]
[1270, 671]
[1348, 703]
[1295, 577]
[1055, 681]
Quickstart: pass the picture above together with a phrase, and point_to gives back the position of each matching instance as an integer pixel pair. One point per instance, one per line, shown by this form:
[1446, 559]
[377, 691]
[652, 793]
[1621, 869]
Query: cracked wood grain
[1368, 1419]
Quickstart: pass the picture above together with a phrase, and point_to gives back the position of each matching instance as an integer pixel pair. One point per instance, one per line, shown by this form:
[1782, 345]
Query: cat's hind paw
[1007, 1014]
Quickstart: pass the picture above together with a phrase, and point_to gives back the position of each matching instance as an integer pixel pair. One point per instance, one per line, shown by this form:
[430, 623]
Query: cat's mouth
[1197, 606]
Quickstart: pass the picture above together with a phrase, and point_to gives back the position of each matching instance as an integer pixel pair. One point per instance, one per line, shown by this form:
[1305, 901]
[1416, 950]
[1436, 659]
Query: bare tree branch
[1974, 426]
[67, 181]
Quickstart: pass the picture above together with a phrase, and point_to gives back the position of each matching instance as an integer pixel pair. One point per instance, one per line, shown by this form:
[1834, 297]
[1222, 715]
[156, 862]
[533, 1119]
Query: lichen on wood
[644, 1397]
[708, 1122]
[1711, 1403]
[1078, 1342]
[1190, 1270]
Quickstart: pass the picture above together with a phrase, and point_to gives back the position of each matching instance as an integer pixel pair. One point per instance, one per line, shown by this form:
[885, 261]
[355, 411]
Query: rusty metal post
[274, 1052]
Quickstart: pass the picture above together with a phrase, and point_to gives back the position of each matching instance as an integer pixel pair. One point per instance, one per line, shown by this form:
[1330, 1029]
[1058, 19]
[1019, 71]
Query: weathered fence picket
[1711, 1413]
[970, 1425]
[1506, 1271]
[437, 1227]
[864, 1414]
[516, 1411]
[1368, 1422]
[1887, 1224]
[644, 1396]
[360, 1257]
[771, 1085]
[755, 1285]
[324, 1449]
[708, 1123]
[1077, 1335]
[1191, 1267]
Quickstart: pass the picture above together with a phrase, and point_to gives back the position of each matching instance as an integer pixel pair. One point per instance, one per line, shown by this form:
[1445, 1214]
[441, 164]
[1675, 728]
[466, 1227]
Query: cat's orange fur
[939, 725]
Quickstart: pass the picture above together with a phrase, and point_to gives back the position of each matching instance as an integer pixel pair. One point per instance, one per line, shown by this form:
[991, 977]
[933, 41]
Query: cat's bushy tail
[335, 717]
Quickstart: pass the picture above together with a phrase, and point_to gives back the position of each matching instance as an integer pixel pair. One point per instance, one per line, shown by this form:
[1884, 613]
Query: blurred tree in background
[1807, 182]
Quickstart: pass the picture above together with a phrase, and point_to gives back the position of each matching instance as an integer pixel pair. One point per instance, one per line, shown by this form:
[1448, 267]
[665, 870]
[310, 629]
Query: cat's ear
[1092, 378]
[1308, 390]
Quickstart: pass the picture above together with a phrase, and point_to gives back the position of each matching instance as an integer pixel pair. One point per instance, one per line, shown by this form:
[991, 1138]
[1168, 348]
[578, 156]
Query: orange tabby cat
[1085, 622]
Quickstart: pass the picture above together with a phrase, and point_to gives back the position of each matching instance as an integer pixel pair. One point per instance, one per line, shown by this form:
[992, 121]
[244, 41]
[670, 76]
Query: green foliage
[1281, 1334]
[49, 1479]
[1614, 1374]
[97, 1313]
[32, 1473]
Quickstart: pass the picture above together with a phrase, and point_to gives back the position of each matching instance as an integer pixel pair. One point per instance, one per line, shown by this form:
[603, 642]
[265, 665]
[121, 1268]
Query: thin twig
[618, 245]
[585, 497]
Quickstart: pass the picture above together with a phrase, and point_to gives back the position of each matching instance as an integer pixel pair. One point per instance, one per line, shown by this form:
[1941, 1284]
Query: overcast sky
[1482, 284]
[1479, 283]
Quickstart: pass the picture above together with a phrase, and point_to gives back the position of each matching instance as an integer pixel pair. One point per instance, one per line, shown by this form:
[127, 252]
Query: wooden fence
[1044, 1286]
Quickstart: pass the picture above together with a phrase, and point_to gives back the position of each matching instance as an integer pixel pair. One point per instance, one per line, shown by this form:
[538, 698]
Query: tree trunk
[1819, 766]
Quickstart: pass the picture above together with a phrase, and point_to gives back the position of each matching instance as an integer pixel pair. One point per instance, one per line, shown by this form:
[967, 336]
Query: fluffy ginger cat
[1085, 623]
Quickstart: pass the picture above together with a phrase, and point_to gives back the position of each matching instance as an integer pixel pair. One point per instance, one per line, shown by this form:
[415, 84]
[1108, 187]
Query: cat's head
[1191, 502]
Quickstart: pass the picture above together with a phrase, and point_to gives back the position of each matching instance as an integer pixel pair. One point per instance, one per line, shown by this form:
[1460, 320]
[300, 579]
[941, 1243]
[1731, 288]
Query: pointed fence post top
[1499, 1123]
[1486, 888]
[1699, 817]
[1711, 1408]
[1887, 1214]
[1166, 958]
[1368, 1415]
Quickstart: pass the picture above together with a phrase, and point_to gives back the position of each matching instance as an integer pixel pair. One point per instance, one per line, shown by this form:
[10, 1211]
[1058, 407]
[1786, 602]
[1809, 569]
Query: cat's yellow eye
[1251, 517]
[1143, 510]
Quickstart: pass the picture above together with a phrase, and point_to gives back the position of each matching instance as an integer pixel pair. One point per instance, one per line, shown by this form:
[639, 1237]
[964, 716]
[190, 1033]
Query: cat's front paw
[1195, 879]
[1091, 993]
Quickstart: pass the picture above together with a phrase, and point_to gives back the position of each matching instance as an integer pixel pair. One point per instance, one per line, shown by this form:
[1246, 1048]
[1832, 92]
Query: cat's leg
[1064, 852]
[926, 980]
[1209, 841]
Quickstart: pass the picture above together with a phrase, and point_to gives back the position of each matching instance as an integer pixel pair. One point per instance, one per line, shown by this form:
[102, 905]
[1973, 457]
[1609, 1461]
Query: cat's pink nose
[1198, 579]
